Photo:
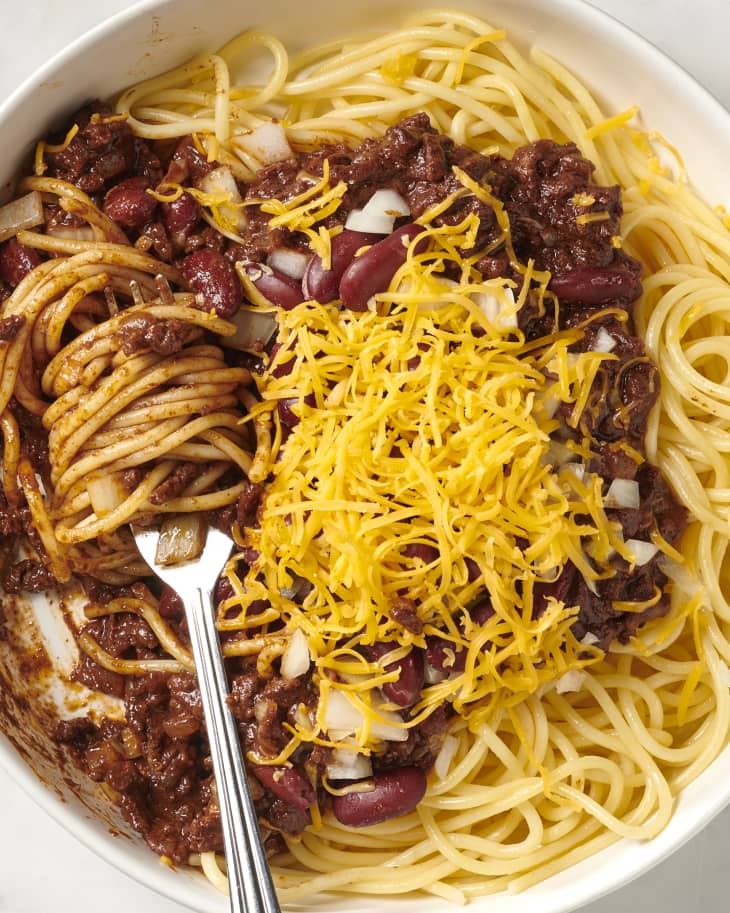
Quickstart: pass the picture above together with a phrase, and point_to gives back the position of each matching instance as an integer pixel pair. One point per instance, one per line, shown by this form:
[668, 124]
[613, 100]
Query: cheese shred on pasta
[557, 750]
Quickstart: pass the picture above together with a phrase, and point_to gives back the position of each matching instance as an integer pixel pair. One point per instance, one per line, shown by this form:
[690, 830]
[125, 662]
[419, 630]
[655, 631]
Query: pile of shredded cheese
[423, 422]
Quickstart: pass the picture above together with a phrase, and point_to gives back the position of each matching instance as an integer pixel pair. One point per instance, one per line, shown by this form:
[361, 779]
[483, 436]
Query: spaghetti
[558, 747]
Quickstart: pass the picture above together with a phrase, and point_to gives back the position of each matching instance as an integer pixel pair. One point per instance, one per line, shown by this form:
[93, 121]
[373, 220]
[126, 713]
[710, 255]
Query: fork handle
[250, 884]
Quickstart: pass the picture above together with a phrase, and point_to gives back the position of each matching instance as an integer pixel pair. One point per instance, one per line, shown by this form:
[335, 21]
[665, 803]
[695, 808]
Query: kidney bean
[170, 604]
[406, 690]
[482, 611]
[209, 273]
[372, 272]
[287, 416]
[473, 570]
[223, 590]
[427, 553]
[128, 203]
[288, 783]
[596, 285]
[443, 655]
[16, 261]
[559, 590]
[284, 367]
[180, 217]
[279, 289]
[250, 555]
[323, 285]
[393, 793]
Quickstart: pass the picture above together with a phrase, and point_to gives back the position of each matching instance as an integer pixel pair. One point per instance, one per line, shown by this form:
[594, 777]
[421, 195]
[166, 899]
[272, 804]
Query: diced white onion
[303, 717]
[267, 143]
[429, 293]
[290, 262]
[71, 232]
[503, 317]
[182, 538]
[558, 454]
[591, 584]
[550, 404]
[342, 719]
[394, 732]
[261, 709]
[389, 202]
[253, 330]
[369, 222]
[221, 182]
[642, 551]
[349, 765]
[432, 675]
[588, 639]
[604, 341]
[378, 215]
[571, 681]
[578, 470]
[106, 493]
[295, 660]
[680, 576]
[445, 757]
[25, 212]
[623, 493]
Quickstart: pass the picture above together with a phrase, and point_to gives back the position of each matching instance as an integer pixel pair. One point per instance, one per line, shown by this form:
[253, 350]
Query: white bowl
[621, 69]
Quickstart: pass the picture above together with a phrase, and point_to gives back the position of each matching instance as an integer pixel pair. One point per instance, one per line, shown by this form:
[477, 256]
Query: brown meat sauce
[157, 762]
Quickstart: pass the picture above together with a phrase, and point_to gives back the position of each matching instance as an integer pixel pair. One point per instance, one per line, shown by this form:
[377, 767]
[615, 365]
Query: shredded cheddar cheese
[611, 123]
[588, 217]
[415, 429]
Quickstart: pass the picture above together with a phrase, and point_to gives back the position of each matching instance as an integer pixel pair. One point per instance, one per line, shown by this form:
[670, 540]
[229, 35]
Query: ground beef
[97, 678]
[29, 576]
[543, 189]
[103, 152]
[423, 744]
[163, 336]
[16, 261]
[176, 483]
[14, 521]
[74, 730]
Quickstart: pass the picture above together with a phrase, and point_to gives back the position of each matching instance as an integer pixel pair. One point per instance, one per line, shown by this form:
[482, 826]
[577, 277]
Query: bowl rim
[170, 884]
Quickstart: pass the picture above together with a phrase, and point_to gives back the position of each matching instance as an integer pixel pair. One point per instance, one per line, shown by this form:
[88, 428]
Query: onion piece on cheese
[503, 317]
[221, 183]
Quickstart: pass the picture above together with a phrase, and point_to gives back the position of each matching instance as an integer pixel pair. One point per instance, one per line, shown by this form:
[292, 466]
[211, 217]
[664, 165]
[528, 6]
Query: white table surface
[696, 879]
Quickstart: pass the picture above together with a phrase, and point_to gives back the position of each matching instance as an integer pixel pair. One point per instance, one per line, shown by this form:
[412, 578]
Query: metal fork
[251, 889]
